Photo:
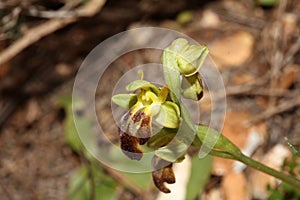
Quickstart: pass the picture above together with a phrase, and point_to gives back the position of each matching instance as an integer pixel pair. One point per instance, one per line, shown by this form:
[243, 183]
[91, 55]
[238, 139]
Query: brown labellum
[144, 131]
[163, 173]
[129, 146]
[135, 129]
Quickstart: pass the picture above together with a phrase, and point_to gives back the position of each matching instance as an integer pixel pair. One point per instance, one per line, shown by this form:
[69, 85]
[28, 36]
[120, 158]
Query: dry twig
[242, 19]
[277, 54]
[286, 105]
[292, 52]
[52, 25]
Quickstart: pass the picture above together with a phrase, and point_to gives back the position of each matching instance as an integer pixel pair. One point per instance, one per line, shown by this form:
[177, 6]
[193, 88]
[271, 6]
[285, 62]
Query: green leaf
[80, 186]
[200, 174]
[90, 182]
[103, 191]
[142, 179]
[125, 101]
[294, 149]
[84, 127]
[71, 135]
[268, 2]
[78, 124]
[276, 195]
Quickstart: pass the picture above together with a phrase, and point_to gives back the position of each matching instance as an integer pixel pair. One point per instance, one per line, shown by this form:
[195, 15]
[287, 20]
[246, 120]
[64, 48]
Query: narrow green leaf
[80, 186]
[294, 149]
[200, 174]
[73, 125]
[70, 132]
[268, 2]
[142, 179]
[106, 192]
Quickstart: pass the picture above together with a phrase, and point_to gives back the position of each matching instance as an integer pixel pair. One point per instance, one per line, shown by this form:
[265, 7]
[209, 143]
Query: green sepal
[186, 58]
[125, 101]
[141, 84]
[162, 138]
[172, 153]
[171, 73]
[179, 45]
[190, 60]
[169, 115]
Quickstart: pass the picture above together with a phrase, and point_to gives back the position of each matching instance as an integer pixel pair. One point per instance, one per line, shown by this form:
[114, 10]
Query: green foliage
[80, 187]
[284, 190]
[200, 174]
[90, 182]
[294, 149]
[267, 2]
[142, 180]
[71, 135]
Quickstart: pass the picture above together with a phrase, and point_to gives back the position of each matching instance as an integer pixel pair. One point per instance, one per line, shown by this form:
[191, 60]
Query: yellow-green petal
[169, 115]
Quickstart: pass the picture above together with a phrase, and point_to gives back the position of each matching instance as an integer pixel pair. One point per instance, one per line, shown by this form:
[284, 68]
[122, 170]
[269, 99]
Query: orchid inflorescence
[156, 114]
[150, 106]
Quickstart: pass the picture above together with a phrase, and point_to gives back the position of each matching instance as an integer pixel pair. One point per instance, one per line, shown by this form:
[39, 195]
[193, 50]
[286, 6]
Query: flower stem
[224, 148]
[263, 168]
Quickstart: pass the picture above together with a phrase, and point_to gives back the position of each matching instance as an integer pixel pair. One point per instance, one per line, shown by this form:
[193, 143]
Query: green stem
[221, 154]
[224, 148]
[263, 168]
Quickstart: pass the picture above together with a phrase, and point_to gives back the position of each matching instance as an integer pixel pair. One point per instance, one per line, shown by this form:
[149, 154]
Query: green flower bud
[187, 58]
[192, 87]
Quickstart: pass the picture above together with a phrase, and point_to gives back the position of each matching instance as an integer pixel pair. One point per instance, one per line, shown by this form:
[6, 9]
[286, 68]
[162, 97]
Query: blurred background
[254, 43]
